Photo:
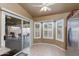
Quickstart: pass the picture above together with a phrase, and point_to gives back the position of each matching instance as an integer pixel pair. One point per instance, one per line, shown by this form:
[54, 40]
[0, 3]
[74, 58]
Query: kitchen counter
[4, 50]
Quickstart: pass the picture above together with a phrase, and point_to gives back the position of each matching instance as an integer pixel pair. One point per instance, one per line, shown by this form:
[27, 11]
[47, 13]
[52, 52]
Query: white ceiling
[56, 8]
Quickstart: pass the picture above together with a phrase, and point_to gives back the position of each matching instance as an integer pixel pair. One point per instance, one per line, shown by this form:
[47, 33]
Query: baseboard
[50, 44]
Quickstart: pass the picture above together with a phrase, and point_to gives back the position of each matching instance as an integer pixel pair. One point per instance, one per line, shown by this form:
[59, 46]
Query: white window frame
[52, 29]
[39, 30]
[62, 24]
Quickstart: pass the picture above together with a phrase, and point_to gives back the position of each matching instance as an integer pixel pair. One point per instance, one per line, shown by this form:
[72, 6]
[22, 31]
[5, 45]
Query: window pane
[48, 29]
[37, 30]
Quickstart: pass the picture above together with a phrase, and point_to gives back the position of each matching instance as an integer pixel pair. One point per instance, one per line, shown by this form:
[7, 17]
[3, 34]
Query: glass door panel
[73, 33]
[13, 33]
[26, 34]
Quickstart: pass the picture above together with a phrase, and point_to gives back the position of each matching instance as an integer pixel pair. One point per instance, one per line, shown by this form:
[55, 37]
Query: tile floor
[46, 50]
[72, 52]
[43, 49]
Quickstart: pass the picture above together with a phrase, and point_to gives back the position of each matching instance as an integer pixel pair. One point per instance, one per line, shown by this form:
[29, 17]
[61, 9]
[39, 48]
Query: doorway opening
[13, 36]
[17, 34]
[73, 33]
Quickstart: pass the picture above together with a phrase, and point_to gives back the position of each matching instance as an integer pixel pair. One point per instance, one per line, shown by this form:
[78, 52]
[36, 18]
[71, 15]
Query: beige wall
[52, 17]
[53, 41]
[16, 8]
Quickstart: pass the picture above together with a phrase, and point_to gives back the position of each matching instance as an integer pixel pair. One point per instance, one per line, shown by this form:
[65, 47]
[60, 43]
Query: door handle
[4, 37]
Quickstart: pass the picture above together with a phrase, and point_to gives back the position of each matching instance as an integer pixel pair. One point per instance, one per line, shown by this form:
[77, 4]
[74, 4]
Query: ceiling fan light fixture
[44, 8]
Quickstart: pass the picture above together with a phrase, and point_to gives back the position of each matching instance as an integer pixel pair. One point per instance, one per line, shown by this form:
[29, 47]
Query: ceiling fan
[44, 6]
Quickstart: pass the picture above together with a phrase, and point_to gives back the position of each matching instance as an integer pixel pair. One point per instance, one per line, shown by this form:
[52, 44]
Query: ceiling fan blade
[45, 9]
[49, 9]
[41, 9]
[44, 4]
[37, 5]
[50, 4]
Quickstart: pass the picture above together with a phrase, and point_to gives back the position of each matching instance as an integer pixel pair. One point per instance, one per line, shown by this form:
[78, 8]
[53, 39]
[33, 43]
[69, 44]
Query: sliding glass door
[17, 34]
[13, 33]
[26, 34]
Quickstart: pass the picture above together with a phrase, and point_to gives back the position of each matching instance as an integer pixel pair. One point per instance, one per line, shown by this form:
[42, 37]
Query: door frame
[67, 28]
[4, 12]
